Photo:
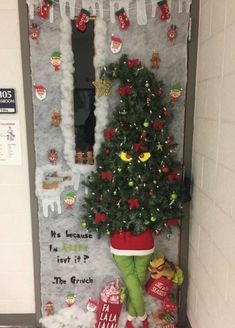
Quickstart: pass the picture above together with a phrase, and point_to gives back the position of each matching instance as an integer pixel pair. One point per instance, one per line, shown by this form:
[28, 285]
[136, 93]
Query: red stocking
[164, 10]
[123, 19]
[43, 11]
[82, 20]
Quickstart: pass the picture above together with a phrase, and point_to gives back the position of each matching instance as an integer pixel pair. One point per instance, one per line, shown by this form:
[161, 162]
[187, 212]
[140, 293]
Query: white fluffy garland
[101, 103]
[67, 110]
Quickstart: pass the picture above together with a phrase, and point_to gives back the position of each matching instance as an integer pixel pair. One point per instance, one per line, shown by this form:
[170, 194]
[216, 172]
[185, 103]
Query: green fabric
[134, 269]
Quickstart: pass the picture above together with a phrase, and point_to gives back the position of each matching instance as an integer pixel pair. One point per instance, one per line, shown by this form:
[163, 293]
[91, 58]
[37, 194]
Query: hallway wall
[16, 264]
[211, 294]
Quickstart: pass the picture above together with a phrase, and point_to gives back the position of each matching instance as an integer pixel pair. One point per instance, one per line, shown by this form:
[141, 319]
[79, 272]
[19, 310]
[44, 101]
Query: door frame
[187, 155]
[31, 320]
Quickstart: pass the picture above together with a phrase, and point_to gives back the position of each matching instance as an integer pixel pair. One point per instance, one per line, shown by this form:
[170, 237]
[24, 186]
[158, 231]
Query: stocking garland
[123, 19]
[164, 10]
[82, 20]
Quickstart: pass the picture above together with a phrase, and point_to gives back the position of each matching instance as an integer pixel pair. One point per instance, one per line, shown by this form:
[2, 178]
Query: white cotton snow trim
[101, 103]
[91, 6]
[72, 317]
[67, 110]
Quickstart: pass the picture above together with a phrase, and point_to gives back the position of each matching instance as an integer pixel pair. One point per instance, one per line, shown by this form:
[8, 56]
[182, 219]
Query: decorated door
[73, 105]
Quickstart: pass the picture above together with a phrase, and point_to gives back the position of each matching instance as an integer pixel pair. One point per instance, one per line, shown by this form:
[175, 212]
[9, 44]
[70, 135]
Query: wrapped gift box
[158, 288]
[108, 314]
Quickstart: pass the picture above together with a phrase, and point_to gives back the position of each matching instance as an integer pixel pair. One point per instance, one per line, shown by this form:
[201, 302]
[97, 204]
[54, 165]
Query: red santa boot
[82, 20]
[164, 10]
[123, 19]
[43, 11]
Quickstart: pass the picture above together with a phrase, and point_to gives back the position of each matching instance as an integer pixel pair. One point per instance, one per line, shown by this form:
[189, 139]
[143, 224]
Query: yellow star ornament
[103, 86]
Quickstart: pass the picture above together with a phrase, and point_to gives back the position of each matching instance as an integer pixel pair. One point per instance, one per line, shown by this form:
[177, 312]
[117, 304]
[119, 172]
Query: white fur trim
[67, 110]
[144, 317]
[130, 252]
[101, 103]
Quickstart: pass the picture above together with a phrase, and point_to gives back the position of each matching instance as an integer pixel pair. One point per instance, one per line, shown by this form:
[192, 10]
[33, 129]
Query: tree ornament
[34, 31]
[100, 217]
[49, 308]
[159, 146]
[84, 224]
[133, 203]
[133, 62]
[173, 196]
[144, 157]
[56, 60]
[40, 91]
[69, 199]
[56, 117]
[130, 183]
[101, 198]
[159, 92]
[155, 60]
[164, 10]
[52, 156]
[165, 169]
[106, 176]
[125, 90]
[158, 124]
[175, 93]
[123, 19]
[103, 86]
[125, 157]
[138, 146]
[82, 20]
[172, 33]
[165, 112]
[70, 299]
[119, 169]
[174, 176]
[144, 134]
[116, 44]
[153, 218]
[109, 133]
[43, 10]
[146, 124]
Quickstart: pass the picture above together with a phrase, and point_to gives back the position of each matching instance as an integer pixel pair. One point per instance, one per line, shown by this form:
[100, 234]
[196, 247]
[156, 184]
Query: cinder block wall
[16, 259]
[211, 294]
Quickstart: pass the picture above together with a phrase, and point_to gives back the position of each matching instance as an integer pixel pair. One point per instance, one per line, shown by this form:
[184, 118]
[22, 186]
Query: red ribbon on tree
[108, 176]
[139, 146]
[126, 90]
[100, 217]
[109, 133]
[173, 176]
[133, 62]
[158, 124]
[133, 203]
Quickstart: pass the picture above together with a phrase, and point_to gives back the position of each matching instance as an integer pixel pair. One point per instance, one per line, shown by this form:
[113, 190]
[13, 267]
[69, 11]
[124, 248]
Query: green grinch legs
[133, 269]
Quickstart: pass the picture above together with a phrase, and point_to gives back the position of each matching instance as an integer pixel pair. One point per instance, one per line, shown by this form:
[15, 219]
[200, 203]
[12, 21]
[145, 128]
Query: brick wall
[211, 294]
[16, 259]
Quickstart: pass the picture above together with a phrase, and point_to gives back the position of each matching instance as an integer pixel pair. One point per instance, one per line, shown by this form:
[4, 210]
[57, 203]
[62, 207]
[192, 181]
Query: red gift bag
[158, 288]
[108, 314]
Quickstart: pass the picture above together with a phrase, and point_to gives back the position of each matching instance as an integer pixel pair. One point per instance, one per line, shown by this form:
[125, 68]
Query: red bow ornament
[109, 134]
[133, 62]
[139, 147]
[100, 217]
[126, 90]
[108, 176]
[158, 124]
[133, 203]
[173, 176]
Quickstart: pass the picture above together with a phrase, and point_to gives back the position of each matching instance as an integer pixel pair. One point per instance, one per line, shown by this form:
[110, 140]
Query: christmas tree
[137, 181]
